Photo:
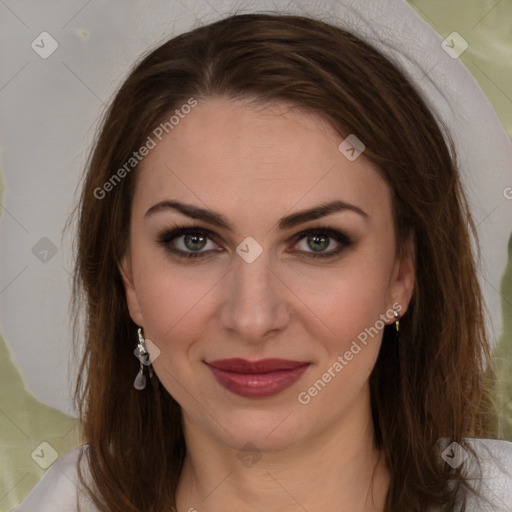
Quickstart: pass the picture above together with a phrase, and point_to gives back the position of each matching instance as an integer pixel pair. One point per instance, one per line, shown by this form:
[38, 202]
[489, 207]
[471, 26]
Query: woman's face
[253, 180]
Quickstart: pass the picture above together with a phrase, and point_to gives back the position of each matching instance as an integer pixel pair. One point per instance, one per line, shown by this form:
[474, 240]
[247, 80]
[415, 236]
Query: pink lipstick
[257, 379]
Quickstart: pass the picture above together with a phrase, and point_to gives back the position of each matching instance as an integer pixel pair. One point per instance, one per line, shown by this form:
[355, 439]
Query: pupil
[194, 239]
[321, 242]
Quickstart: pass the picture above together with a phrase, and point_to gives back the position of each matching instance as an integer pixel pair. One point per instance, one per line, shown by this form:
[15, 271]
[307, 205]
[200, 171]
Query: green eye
[194, 242]
[319, 239]
[189, 242]
[317, 242]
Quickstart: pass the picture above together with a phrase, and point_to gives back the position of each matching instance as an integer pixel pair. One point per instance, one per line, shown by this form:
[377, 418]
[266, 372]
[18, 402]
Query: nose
[257, 304]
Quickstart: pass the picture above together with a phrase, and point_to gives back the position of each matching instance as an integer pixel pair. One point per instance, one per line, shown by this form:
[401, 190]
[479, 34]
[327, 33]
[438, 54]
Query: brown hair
[136, 443]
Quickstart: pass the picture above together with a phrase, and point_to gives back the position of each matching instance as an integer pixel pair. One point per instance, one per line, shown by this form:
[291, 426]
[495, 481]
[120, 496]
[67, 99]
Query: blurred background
[61, 63]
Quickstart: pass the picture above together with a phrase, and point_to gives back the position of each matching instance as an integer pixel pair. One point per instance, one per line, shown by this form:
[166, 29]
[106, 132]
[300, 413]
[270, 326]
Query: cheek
[178, 304]
[172, 300]
[172, 303]
[354, 313]
[351, 301]
[347, 298]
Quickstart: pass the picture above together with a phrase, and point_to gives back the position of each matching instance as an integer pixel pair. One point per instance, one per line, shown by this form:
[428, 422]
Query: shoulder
[493, 478]
[59, 487]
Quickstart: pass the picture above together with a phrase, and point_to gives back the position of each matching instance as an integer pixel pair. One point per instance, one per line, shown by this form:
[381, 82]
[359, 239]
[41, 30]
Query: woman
[272, 222]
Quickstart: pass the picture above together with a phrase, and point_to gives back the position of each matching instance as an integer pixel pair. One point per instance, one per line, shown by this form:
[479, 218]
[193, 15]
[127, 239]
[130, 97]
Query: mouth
[257, 379]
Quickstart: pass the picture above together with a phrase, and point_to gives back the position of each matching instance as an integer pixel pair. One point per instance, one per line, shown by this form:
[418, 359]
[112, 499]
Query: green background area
[25, 422]
[487, 28]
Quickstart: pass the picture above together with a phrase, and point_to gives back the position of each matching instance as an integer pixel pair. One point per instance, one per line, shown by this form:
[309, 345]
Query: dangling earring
[397, 335]
[142, 354]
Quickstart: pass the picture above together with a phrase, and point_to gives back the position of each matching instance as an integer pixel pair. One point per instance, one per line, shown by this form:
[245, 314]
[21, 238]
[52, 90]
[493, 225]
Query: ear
[403, 277]
[125, 267]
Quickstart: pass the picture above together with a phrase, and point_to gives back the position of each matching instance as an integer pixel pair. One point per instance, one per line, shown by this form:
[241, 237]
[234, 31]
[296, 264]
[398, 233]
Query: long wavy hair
[437, 387]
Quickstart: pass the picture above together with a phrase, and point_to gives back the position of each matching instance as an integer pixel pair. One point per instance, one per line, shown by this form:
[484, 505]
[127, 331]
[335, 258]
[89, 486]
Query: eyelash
[168, 236]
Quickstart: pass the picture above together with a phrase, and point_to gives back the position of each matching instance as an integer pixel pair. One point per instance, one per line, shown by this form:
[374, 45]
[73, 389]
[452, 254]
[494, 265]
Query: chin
[267, 429]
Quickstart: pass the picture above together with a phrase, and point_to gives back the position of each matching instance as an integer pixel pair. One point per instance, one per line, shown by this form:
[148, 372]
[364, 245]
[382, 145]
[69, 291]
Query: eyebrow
[287, 222]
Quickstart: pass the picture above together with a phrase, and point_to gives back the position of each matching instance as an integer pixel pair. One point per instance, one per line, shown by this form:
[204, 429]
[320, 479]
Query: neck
[339, 470]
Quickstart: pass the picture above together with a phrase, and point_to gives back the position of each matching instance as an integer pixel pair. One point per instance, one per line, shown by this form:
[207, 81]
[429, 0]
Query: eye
[183, 239]
[191, 242]
[319, 239]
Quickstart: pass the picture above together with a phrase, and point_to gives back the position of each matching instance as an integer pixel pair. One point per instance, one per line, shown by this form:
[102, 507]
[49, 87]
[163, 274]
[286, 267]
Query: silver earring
[141, 352]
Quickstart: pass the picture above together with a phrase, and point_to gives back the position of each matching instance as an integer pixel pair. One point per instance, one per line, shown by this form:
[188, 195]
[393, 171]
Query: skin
[254, 166]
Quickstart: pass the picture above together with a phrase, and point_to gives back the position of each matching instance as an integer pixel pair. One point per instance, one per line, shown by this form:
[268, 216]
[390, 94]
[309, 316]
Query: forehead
[228, 153]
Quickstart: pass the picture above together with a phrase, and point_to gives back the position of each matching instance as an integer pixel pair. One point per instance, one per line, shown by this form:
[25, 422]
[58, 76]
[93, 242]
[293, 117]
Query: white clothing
[57, 490]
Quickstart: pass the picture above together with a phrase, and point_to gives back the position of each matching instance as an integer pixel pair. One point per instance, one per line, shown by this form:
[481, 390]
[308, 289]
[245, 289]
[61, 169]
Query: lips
[257, 379]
